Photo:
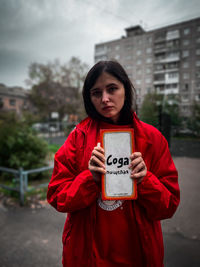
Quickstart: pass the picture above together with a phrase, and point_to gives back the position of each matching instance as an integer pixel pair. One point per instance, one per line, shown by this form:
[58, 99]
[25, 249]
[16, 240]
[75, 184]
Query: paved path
[32, 237]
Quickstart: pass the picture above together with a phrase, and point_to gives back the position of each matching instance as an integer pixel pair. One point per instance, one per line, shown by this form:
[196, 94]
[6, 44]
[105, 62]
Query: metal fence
[21, 177]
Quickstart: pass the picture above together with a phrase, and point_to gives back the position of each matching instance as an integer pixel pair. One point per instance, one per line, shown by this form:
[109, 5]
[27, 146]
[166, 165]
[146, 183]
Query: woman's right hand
[97, 163]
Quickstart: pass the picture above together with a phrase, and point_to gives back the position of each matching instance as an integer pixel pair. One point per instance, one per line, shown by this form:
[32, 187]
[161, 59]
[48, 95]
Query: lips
[107, 108]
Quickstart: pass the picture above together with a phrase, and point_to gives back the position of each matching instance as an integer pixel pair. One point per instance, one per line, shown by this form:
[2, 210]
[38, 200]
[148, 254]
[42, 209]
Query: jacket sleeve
[159, 191]
[70, 190]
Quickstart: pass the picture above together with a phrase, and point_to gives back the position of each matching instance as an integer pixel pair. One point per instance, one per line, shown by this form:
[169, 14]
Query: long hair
[115, 69]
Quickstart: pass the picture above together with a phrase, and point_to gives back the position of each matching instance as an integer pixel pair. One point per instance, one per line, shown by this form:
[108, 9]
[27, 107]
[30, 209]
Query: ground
[31, 235]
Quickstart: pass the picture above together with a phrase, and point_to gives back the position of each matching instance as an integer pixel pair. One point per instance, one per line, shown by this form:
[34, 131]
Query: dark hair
[116, 70]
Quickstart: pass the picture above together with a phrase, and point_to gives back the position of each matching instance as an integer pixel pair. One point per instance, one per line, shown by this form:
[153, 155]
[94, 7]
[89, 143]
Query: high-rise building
[164, 60]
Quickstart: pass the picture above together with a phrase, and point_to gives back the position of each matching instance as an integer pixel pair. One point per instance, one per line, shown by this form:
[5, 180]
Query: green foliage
[20, 147]
[154, 105]
[193, 122]
[53, 147]
[171, 107]
[149, 110]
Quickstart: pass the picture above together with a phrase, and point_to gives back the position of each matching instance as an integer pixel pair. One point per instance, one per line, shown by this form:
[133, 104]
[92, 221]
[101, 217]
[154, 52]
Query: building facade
[14, 99]
[165, 61]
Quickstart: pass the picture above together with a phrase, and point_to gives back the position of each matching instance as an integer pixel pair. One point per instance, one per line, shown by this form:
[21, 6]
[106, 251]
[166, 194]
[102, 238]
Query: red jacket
[73, 190]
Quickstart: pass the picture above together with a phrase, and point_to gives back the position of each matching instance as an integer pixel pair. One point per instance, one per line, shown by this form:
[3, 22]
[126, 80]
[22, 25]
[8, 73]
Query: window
[117, 57]
[185, 65]
[185, 108]
[149, 60]
[148, 70]
[198, 74]
[149, 40]
[198, 40]
[185, 53]
[148, 50]
[148, 80]
[198, 52]
[173, 75]
[173, 54]
[117, 47]
[139, 52]
[198, 63]
[198, 28]
[139, 71]
[186, 87]
[148, 90]
[12, 102]
[138, 91]
[139, 61]
[185, 98]
[128, 67]
[159, 67]
[138, 81]
[198, 85]
[186, 42]
[197, 97]
[186, 75]
[186, 31]
[128, 57]
[174, 34]
[102, 49]
[172, 86]
[128, 47]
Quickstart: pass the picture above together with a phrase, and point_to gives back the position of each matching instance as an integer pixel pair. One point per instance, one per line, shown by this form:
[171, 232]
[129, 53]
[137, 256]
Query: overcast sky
[43, 30]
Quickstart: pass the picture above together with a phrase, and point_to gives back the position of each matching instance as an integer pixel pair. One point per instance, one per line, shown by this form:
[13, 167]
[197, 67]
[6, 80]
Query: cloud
[42, 30]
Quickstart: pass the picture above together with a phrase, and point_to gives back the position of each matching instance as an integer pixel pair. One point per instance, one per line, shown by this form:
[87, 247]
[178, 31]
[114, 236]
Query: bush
[20, 147]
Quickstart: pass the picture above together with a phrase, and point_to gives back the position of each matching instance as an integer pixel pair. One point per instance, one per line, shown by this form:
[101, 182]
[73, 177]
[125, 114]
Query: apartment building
[13, 99]
[164, 60]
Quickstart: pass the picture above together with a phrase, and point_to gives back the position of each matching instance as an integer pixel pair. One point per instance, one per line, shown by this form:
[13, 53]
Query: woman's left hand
[138, 166]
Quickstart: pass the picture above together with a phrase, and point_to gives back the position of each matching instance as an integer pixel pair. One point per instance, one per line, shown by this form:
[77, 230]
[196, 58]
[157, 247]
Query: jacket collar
[89, 124]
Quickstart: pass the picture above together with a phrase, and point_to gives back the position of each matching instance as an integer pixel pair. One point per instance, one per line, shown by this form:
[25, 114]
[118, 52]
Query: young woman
[112, 233]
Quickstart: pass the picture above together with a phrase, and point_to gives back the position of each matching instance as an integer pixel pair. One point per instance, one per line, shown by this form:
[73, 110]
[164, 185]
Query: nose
[105, 97]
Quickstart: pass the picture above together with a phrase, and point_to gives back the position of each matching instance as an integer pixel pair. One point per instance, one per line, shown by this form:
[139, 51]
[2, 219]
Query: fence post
[25, 182]
[21, 186]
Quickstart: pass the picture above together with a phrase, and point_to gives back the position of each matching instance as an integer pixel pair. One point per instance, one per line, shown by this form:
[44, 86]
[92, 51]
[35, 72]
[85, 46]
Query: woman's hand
[138, 166]
[96, 163]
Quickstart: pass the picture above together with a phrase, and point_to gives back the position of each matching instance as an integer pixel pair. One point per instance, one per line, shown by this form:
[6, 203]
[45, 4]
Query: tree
[171, 106]
[149, 112]
[194, 121]
[56, 87]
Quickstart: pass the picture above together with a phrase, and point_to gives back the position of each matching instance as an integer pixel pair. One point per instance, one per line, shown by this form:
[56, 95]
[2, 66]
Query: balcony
[171, 78]
[171, 91]
[165, 70]
[172, 35]
[160, 50]
[171, 59]
[160, 39]
[159, 82]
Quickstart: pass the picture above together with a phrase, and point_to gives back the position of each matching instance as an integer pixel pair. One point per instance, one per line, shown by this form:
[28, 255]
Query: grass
[53, 147]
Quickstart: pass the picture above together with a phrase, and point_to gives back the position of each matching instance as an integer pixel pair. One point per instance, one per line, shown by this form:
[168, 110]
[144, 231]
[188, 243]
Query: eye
[96, 93]
[112, 89]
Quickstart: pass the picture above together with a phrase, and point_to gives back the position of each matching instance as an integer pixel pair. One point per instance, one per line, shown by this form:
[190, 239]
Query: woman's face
[108, 96]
